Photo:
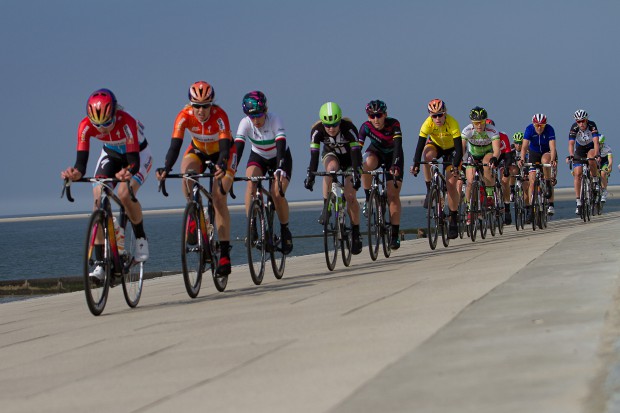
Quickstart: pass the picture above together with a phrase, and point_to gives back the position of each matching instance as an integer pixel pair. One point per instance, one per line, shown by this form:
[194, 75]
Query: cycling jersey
[539, 143]
[343, 145]
[205, 136]
[480, 143]
[585, 137]
[263, 139]
[442, 136]
[381, 140]
[605, 149]
[125, 137]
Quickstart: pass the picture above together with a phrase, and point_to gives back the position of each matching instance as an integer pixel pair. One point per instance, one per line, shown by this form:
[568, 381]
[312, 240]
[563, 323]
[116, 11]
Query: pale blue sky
[513, 58]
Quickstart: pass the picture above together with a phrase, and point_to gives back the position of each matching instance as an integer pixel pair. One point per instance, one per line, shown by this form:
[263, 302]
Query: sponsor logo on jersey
[128, 134]
[220, 123]
[180, 124]
[195, 129]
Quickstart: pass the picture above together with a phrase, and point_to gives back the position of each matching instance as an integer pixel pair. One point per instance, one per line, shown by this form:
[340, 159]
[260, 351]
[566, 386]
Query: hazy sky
[513, 58]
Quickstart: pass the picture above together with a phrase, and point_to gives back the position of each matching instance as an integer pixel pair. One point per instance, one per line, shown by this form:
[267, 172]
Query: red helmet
[436, 106]
[490, 122]
[201, 92]
[101, 107]
[539, 118]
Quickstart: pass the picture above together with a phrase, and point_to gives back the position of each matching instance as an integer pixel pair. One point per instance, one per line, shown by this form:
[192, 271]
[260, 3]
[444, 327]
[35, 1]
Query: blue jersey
[539, 143]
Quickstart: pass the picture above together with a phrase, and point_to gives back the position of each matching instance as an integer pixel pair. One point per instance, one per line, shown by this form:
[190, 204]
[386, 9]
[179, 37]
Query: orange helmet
[436, 106]
[201, 92]
[101, 107]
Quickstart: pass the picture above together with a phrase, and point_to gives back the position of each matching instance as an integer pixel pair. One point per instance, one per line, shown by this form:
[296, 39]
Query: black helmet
[478, 113]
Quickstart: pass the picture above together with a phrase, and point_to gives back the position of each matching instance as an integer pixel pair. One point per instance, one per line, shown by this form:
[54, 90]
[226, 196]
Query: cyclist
[539, 140]
[483, 144]
[606, 163]
[208, 126]
[440, 137]
[265, 131]
[517, 145]
[385, 148]
[505, 161]
[125, 156]
[583, 142]
[341, 151]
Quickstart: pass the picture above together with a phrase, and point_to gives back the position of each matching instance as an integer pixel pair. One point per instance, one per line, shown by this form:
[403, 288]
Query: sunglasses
[375, 115]
[478, 122]
[582, 121]
[104, 125]
[256, 115]
[201, 105]
[540, 125]
[333, 125]
[437, 115]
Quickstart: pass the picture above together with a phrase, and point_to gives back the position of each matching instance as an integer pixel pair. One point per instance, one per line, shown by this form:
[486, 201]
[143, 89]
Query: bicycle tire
[444, 218]
[330, 233]
[214, 249]
[519, 208]
[473, 210]
[491, 214]
[584, 198]
[133, 271]
[386, 227]
[501, 209]
[482, 213]
[535, 206]
[432, 217]
[462, 215]
[346, 236]
[192, 249]
[374, 225]
[256, 242]
[277, 257]
[96, 291]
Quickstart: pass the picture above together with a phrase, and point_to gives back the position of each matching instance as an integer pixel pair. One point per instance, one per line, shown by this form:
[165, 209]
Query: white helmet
[580, 114]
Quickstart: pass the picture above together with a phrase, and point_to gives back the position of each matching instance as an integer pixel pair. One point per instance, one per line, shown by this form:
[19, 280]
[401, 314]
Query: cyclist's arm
[571, 147]
[458, 151]
[597, 147]
[398, 147]
[173, 153]
[239, 145]
[222, 160]
[524, 148]
[496, 144]
[314, 157]
[280, 150]
[356, 155]
[81, 161]
[554, 152]
[133, 160]
[419, 148]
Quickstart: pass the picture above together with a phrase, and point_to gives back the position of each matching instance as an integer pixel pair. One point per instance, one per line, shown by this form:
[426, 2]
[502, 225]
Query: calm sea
[53, 248]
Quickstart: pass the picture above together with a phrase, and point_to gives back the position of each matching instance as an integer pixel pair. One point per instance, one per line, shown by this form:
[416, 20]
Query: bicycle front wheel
[432, 217]
[444, 219]
[346, 236]
[192, 248]
[501, 209]
[386, 227]
[473, 211]
[519, 208]
[330, 233]
[374, 225]
[278, 258]
[97, 262]
[256, 242]
[133, 271]
[462, 217]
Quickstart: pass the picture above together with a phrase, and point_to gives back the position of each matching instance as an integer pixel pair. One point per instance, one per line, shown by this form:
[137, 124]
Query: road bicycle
[438, 212]
[105, 257]
[477, 212]
[590, 192]
[379, 224]
[337, 225]
[462, 208]
[263, 230]
[519, 201]
[497, 218]
[539, 202]
[200, 249]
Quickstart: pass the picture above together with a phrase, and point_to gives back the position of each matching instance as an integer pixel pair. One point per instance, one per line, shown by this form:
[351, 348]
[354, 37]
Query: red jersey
[205, 136]
[125, 136]
[504, 142]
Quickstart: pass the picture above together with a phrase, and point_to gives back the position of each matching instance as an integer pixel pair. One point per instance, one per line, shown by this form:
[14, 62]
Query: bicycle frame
[436, 215]
[381, 229]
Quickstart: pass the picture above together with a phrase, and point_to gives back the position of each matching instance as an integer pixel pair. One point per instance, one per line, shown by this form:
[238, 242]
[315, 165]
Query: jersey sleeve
[84, 135]
[426, 128]
[453, 126]
[529, 132]
[180, 124]
[243, 131]
[221, 118]
[278, 128]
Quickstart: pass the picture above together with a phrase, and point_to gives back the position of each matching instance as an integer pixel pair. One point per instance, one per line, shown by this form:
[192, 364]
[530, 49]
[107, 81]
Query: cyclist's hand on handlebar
[220, 170]
[123, 175]
[161, 173]
[569, 159]
[506, 171]
[357, 182]
[395, 170]
[71, 174]
[493, 161]
[415, 169]
[309, 183]
[280, 174]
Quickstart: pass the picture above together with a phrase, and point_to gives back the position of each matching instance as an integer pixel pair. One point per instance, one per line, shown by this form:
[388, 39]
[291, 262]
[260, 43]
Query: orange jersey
[205, 136]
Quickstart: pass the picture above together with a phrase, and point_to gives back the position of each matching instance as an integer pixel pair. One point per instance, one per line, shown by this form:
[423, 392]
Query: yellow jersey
[442, 136]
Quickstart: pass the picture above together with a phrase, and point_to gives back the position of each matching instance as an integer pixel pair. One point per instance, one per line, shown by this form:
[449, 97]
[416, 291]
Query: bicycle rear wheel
[278, 258]
[584, 199]
[432, 217]
[519, 208]
[482, 213]
[473, 210]
[374, 225]
[330, 233]
[444, 219]
[386, 227]
[346, 236]
[133, 271]
[256, 242]
[215, 250]
[462, 215]
[500, 209]
[97, 260]
[192, 248]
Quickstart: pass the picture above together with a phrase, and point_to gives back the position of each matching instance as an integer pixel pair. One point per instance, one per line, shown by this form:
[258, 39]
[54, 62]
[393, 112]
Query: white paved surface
[525, 322]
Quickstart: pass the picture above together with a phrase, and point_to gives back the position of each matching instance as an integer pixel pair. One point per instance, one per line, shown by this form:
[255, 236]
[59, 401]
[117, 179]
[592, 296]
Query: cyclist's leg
[192, 161]
[370, 162]
[330, 163]
[253, 169]
[593, 164]
[430, 152]
[280, 202]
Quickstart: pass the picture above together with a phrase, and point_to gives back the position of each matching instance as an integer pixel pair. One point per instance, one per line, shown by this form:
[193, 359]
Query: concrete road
[524, 322]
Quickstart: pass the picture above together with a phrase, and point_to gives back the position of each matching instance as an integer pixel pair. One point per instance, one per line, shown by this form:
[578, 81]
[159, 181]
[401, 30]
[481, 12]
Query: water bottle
[119, 233]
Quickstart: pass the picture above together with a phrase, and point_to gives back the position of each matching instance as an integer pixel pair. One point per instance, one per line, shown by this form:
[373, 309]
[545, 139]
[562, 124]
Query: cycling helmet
[201, 93]
[539, 118]
[330, 113]
[601, 139]
[490, 122]
[254, 103]
[517, 137]
[101, 107]
[478, 113]
[580, 114]
[436, 106]
[376, 106]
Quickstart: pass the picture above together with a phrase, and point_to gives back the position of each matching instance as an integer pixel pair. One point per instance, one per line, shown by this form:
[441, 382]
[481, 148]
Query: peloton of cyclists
[265, 131]
[209, 128]
[385, 148]
[440, 137]
[341, 151]
[125, 156]
[583, 142]
[539, 140]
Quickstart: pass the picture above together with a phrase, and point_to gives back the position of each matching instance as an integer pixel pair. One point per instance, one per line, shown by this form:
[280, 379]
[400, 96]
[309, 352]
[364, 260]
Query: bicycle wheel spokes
[386, 226]
[330, 233]
[444, 220]
[374, 224]
[97, 263]
[432, 217]
[256, 242]
[278, 258]
[133, 271]
[192, 249]
[462, 215]
[346, 237]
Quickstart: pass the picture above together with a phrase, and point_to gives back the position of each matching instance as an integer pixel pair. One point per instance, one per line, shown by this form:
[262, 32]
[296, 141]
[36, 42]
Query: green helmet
[478, 114]
[601, 139]
[517, 137]
[330, 113]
